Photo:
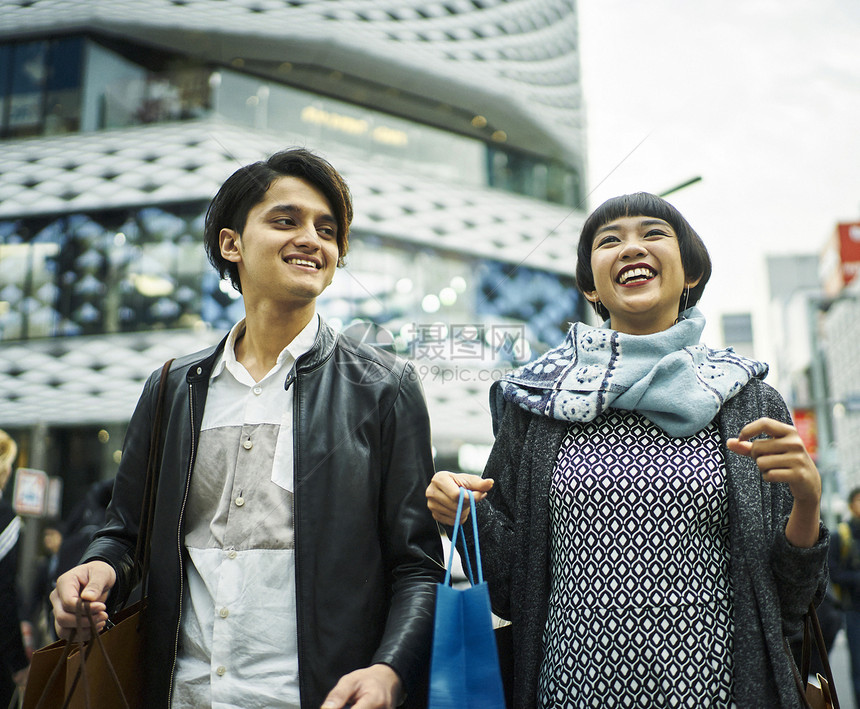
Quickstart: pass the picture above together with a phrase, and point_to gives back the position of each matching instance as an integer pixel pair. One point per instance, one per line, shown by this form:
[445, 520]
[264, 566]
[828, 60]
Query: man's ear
[230, 243]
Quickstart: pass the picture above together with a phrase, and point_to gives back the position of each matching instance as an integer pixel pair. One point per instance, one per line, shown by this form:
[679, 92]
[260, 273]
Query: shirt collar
[302, 343]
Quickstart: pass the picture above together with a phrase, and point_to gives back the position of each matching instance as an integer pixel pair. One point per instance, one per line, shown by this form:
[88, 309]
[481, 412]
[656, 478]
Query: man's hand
[374, 687]
[443, 494]
[89, 582]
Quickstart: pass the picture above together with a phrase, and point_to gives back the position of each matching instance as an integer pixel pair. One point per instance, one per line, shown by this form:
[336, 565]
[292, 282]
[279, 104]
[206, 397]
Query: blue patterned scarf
[668, 377]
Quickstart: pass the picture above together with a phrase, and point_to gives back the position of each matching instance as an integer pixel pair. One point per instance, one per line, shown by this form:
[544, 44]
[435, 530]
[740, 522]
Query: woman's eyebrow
[606, 227]
[612, 226]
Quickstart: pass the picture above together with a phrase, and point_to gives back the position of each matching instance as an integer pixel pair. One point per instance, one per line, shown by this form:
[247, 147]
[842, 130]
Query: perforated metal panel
[187, 161]
[519, 53]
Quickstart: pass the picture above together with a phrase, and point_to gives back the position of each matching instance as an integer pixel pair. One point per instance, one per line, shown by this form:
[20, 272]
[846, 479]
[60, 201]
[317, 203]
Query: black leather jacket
[368, 553]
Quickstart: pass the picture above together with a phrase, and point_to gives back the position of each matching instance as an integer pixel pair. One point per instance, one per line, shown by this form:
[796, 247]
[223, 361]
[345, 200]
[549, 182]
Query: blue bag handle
[457, 529]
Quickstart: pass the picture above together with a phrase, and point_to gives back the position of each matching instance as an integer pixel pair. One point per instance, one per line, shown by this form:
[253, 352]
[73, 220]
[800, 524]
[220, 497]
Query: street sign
[30, 496]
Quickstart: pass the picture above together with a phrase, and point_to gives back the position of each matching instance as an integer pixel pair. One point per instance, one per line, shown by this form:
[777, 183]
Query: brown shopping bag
[819, 696]
[106, 672]
[110, 677]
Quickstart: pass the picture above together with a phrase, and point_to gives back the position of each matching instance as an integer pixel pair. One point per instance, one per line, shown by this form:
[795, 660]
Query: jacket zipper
[296, 524]
[179, 542]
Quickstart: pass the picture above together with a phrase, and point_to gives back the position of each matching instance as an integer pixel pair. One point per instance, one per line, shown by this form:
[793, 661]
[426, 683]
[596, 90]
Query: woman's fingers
[781, 455]
[443, 494]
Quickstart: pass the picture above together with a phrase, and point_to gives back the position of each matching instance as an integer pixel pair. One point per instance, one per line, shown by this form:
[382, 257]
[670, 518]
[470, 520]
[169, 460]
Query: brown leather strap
[812, 633]
[153, 463]
[822, 653]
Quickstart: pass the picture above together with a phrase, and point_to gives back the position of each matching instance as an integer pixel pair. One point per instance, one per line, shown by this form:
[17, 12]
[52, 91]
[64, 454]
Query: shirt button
[240, 501]
[221, 670]
[231, 554]
[224, 612]
[248, 445]
[258, 390]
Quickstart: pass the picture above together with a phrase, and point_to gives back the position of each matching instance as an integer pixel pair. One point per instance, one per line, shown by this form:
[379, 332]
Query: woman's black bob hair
[694, 255]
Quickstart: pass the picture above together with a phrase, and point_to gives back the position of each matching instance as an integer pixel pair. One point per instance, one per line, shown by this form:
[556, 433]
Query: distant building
[458, 125]
[817, 330]
[738, 332]
[840, 258]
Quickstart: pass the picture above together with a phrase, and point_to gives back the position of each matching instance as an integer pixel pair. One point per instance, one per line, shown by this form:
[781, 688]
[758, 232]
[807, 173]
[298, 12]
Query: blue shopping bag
[464, 668]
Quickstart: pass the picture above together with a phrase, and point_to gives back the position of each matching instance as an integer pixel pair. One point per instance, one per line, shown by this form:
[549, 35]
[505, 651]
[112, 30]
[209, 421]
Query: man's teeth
[302, 262]
[636, 273]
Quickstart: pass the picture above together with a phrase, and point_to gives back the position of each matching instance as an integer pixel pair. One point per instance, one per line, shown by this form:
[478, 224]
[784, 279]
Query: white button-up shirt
[238, 629]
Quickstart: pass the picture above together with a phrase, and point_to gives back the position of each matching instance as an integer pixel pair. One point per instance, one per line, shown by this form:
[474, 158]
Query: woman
[649, 517]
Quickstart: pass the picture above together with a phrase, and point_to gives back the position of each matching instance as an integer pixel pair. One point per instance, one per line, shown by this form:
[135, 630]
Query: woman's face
[638, 274]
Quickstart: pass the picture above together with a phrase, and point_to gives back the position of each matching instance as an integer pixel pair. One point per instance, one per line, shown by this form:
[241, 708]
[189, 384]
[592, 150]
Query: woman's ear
[229, 241]
[693, 282]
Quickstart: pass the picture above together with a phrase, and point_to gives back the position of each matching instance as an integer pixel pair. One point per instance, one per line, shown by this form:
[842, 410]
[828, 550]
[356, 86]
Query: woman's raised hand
[782, 457]
[443, 494]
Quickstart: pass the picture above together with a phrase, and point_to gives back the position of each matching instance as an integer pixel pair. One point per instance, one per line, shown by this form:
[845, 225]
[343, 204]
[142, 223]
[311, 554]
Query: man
[14, 663]
[294, 562]
[844, 562]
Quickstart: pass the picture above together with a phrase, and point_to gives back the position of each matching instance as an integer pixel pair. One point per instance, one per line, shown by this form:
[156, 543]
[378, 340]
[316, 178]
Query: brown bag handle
[812, 633]
[811, 619]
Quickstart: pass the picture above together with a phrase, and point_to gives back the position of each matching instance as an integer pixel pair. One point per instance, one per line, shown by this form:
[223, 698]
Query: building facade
[458, 126]
[815, 303]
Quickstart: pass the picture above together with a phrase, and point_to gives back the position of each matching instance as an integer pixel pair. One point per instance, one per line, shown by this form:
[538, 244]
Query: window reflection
[146, 269]
[97, 273]
[77, 83]
[28, 80]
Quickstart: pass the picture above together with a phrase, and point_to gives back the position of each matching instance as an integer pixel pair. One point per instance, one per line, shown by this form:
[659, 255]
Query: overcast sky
[759, 97]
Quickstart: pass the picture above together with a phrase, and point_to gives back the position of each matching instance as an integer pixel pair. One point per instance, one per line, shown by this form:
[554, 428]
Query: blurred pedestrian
[81, 524]
[45, 577]
[14, 662]
[844, 560]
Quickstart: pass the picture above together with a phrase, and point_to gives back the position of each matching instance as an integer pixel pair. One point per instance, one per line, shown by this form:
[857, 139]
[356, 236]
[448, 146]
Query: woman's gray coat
[772, 581]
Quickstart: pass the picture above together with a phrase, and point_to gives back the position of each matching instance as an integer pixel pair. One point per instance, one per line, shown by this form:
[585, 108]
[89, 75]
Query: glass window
[26, 100]
[385, 139]
[5, 74]
[109, 89]
[114, 271]
[63, 86]
[27, 292]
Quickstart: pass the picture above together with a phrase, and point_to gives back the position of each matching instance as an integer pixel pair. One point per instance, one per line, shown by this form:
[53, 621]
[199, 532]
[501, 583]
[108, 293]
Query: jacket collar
[322, 349]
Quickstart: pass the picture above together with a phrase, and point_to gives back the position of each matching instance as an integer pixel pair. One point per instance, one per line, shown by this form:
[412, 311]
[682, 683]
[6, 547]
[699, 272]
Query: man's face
[288, 249]
[854, 506]
[52, 539]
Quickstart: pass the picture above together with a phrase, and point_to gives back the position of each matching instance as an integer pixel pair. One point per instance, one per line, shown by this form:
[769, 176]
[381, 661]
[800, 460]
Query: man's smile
[301, 261]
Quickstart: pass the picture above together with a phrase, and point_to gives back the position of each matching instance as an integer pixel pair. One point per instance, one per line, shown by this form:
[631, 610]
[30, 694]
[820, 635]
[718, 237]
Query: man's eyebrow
[295, 209]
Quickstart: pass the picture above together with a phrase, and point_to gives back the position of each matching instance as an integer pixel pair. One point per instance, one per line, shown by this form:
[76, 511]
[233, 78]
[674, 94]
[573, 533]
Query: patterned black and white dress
[640, 606]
